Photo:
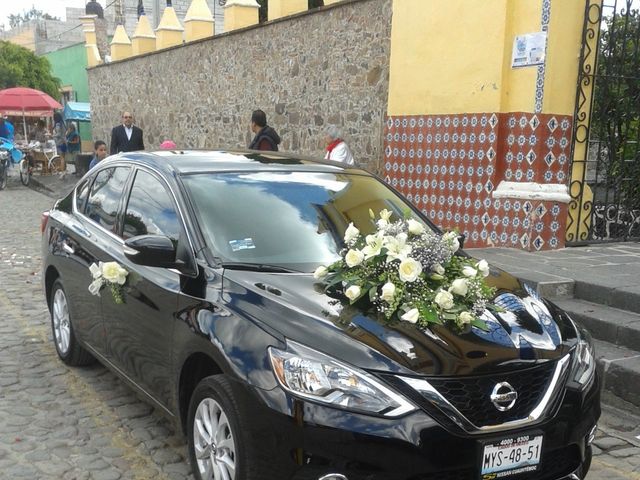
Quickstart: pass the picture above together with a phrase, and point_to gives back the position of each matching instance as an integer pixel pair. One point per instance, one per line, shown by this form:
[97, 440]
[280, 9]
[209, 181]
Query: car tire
[236, 439]
[25, 171]
[64, 338]
[3, 177]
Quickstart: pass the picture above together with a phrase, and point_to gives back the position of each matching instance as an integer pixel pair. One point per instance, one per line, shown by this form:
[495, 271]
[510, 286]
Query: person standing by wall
[126, 137]
[59, 137]
[99, 153]
[266, 137]
[337, 148]
[73, 142]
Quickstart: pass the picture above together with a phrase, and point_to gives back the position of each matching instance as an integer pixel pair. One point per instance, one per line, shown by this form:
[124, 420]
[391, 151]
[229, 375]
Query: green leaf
[481, 324]
[373, 291]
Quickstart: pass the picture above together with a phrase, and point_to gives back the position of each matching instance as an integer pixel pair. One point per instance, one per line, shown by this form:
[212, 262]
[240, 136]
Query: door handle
[68, 248]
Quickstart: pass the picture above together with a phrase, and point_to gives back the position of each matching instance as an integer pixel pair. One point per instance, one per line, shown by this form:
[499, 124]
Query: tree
[615, 119]
[28, 15]
[20, 67]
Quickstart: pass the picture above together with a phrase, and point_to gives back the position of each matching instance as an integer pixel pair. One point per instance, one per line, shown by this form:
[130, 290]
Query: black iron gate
[605, 177]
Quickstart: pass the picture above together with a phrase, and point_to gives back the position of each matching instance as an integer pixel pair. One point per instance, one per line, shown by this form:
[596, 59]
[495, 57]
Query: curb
[619, 370]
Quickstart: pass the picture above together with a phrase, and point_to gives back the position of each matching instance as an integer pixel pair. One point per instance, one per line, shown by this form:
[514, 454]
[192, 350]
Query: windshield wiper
[257, 267]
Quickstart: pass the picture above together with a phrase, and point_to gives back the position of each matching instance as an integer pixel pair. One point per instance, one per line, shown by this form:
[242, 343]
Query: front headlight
[584, 361]
[310, 374]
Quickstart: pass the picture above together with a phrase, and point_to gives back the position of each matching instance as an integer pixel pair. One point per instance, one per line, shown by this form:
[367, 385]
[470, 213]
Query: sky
[52, 7]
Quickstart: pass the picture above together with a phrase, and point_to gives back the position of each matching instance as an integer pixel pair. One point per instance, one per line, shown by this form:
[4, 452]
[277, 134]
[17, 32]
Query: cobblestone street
[84, 423]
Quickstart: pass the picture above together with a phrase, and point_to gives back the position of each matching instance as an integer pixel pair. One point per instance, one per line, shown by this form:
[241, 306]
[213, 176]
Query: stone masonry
[327, 66]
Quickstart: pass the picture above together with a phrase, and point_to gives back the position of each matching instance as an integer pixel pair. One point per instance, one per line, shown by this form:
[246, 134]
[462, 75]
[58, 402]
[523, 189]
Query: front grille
[471, 395]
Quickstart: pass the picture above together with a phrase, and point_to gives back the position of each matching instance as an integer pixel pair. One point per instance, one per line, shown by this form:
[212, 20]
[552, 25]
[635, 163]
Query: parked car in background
[212, 313]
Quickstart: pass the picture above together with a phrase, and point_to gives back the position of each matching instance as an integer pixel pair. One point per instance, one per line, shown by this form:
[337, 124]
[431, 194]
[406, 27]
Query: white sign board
[529, 49]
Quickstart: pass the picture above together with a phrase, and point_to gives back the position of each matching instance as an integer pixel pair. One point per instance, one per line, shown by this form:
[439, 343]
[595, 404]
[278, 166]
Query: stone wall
[326, 66]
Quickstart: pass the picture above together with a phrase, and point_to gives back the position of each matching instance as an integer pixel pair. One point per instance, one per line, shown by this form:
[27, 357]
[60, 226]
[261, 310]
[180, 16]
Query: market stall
[79, 112]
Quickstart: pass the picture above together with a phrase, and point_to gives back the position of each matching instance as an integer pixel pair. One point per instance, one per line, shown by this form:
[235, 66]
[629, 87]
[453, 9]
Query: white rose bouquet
[109, 274]
[411, 274]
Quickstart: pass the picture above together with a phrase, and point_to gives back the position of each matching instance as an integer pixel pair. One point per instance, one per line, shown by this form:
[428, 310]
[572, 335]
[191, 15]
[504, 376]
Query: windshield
[295, 220]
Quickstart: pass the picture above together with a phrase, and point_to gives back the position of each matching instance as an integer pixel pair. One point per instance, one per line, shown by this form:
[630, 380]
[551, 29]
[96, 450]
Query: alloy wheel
[214, 442]
[61, 325]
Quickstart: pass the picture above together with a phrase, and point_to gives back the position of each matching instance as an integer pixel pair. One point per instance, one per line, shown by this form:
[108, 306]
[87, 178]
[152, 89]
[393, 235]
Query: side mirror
[151, 251]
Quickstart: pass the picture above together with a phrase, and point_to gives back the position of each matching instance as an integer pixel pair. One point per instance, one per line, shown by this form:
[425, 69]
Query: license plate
[511, 456]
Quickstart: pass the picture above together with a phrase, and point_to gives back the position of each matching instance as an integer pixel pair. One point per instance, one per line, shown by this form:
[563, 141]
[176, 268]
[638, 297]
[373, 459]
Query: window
[106, 192]
[150, 210]
[82, 192]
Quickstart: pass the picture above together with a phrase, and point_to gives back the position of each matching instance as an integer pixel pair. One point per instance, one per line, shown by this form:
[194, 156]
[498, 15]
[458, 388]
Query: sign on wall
[529, 49]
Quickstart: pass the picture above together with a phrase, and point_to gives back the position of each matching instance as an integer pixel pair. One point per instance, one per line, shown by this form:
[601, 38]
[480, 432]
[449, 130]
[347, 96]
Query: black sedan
[190, 275]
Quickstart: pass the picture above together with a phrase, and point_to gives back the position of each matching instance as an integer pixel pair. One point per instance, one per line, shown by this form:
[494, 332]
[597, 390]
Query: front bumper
[312, 440]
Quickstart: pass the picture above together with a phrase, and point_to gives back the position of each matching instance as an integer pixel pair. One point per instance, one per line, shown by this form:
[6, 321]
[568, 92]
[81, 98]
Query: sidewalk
[603, 273]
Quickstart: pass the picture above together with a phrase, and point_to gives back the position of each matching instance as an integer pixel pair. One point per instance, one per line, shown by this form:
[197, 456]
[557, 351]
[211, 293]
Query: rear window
[292, 219]
[105, 196]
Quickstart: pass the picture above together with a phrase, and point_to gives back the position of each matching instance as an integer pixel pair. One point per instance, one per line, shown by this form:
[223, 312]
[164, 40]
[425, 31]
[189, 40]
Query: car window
[293, 219]
[82, 192]
[106, 192]
[150, 209]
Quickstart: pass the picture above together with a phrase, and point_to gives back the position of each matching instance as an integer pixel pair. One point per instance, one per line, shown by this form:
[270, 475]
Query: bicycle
[9, 155]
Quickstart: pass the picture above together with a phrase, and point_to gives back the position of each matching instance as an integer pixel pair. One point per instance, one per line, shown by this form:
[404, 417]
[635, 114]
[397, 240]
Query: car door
[139, 331]
[92, 238]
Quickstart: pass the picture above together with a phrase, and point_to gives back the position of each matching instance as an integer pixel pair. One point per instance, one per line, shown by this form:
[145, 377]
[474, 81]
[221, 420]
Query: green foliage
[20, 67]
[28, 15]
[615, 119]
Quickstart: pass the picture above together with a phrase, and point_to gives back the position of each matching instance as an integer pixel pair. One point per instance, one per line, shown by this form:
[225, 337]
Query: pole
[24, 126]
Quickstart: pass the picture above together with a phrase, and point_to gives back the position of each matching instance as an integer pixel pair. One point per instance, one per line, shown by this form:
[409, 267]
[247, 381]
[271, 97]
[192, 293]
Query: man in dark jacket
[126, 137]
[266, 137]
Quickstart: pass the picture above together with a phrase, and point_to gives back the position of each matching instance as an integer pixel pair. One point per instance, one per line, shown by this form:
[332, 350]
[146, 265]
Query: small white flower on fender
[444, 300]
[459, 287]
[411, 316]
[354, 258]
[388, 292]
[114, 273]
[465, 318]
[353, 292]
[320, 272]
[409, 270]
[109, 274]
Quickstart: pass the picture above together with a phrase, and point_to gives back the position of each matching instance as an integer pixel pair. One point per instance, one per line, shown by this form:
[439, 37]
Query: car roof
[201, 161]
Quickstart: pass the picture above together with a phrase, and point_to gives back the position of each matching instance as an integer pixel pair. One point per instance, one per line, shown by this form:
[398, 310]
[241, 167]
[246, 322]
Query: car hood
[529, 331]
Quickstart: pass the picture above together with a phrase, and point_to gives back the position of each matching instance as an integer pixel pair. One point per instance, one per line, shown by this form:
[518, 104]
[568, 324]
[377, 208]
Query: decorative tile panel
[449, 165]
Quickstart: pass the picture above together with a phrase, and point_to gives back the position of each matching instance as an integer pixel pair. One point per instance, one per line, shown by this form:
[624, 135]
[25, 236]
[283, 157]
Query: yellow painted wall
[563, 56]
[446, 56]
[454, 56]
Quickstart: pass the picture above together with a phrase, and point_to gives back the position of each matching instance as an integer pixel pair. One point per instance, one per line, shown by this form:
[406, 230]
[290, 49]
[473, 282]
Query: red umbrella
[22, 101]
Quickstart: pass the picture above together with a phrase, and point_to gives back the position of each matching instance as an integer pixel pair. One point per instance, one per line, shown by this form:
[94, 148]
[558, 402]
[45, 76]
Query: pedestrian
[337, 148]
[99, 153]
[40, 134]
[126, 137]
[168, 145]
[59, 137]
[73, 142]
[6, 129]
[266, 137]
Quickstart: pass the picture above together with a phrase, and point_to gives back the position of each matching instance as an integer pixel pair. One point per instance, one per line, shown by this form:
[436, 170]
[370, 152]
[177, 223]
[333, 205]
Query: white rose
[459, 287]
[114, 273]
[351, 233]
[411, 316]
[439, 269]
[483, 267]
[415, 227]
[409, 270]
[465, 318]
[388, 292]
[354, 258]
[320, 272]
[353, 292]
[468, 271]
[444, 300]
[385, 215]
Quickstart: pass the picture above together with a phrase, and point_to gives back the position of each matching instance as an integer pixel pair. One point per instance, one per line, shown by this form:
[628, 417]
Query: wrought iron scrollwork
[605, 169]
